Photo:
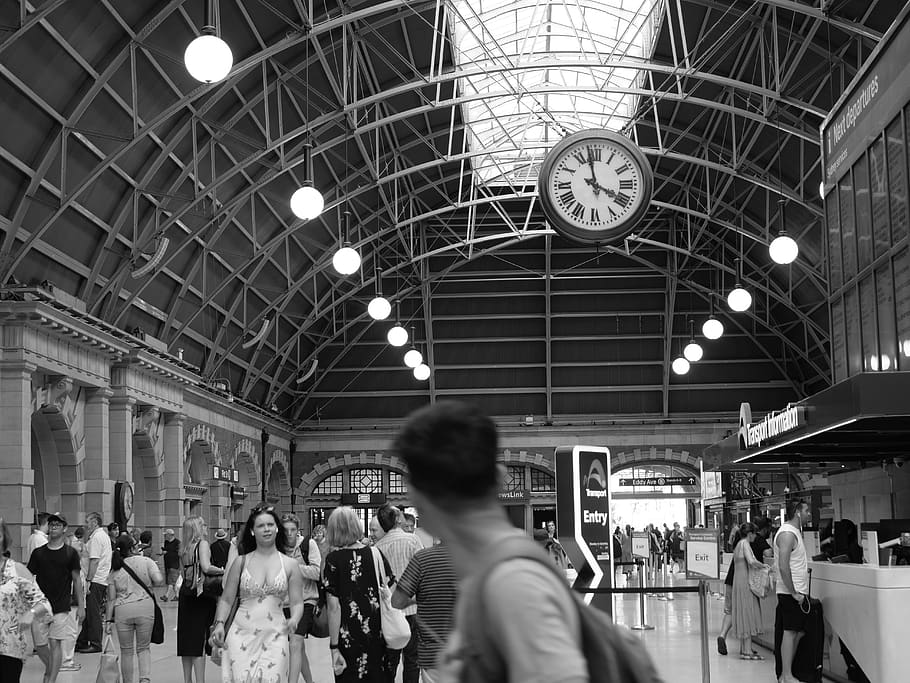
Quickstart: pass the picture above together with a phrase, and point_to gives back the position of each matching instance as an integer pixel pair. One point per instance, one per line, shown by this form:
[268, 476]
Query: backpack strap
[306, 553]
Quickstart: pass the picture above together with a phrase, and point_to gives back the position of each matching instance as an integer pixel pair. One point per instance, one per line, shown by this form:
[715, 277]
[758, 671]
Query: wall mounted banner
[702, 554]
[583, 514]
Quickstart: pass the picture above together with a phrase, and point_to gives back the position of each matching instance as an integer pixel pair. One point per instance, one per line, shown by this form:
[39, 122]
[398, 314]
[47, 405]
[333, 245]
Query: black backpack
[613, 653]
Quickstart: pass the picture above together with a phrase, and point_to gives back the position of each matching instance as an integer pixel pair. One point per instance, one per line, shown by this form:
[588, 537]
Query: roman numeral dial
[595, 184]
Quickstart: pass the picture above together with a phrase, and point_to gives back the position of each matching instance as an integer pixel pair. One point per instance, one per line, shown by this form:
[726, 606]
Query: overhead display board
[583, 515]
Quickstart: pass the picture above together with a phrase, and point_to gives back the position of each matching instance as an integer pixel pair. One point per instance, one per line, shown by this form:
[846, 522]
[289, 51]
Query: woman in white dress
[256, 644]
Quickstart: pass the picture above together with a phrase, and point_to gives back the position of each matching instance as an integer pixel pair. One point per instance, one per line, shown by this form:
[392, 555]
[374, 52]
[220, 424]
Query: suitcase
[807, 661]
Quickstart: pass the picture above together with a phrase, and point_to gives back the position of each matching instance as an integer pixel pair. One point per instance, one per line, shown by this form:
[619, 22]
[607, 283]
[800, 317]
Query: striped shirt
[399, 547]
[431, 579]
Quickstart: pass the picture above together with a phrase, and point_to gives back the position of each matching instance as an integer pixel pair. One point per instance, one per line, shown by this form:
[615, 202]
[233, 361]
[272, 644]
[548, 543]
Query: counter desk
[865, 606]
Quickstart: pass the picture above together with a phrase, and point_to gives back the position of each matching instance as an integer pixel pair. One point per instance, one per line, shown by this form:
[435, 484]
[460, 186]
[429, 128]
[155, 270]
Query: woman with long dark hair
[256, 643]
[130, 606]
[747, 621]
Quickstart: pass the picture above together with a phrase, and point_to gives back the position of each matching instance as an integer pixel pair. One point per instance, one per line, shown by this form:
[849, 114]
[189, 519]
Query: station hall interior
[223, 282]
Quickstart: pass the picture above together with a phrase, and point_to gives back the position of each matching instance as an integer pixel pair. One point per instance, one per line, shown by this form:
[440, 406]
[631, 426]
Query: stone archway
[200, 456]
[278, 479]
[245, 461]
[54, 461]
[148, 467]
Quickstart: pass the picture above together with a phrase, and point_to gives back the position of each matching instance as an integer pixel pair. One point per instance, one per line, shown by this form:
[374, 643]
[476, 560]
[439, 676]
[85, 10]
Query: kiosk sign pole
[703, 563]
[583, 514]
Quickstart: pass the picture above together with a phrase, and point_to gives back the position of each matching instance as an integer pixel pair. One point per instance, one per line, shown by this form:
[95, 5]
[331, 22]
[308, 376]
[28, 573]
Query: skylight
[537, 70]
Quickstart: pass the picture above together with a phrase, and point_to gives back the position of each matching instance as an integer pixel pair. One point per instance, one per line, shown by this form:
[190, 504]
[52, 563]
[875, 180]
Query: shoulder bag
[395, 627]
[207, 586]
[158, 626]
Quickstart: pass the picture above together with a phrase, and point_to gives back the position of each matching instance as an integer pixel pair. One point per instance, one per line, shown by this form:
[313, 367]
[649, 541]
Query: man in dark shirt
[171, 552]
[220, 549]
[56, 567]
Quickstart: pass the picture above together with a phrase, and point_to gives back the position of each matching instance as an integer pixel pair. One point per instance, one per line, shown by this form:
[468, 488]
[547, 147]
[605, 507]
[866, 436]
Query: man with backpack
[516, 620]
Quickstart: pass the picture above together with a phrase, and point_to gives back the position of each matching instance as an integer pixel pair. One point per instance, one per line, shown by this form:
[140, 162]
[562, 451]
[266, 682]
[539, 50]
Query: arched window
[332, 485]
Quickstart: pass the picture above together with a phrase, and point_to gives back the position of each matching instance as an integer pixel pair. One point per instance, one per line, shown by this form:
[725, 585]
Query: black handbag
[207, 586]
[158, 626]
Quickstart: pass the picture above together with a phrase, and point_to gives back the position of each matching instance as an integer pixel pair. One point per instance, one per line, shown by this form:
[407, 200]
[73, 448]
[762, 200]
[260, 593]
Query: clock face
[595, 186]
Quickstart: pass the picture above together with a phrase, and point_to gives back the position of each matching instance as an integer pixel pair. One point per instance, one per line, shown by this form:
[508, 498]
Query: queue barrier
[641, 590]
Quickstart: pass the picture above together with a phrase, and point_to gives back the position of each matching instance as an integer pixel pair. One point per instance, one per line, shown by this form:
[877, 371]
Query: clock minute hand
[597, 186]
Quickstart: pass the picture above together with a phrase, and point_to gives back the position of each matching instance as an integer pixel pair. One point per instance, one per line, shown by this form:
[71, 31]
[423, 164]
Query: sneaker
[72, 666]
[91, 649]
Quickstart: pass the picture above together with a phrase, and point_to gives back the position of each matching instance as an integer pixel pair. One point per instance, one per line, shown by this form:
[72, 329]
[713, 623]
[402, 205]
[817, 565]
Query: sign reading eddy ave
[583, 512]
[702, 554]
[660, 481]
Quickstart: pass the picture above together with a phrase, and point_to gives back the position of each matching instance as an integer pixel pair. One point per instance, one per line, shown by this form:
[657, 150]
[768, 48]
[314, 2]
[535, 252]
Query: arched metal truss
[130, 150]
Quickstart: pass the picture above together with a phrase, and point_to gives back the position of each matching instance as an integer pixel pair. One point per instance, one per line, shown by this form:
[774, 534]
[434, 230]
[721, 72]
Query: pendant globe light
[693, 351]
[783, 249]
[307, 202]
[397, 335]
[346, 260]
[422, 372]
[208, 58]
[681, 366]
[413, 357]
[379, 308]
[739, 298]
[712, 328]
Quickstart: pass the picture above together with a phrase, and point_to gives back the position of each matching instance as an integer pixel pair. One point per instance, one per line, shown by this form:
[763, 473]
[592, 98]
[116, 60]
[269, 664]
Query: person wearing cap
[57, 569]
[221, 548]
[171, 552]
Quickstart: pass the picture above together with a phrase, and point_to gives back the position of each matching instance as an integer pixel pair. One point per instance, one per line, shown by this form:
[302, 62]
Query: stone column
[17, 478]
[99, 487]
[172, 480]
[120, 416]
[219, 512]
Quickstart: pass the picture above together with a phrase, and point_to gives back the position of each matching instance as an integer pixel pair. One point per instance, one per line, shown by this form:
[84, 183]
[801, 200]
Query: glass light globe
[413, 358]
[397, 336]
[739, 299]
[208, 59]
[307, 202]
[379, 308]
[783, 249]
[873, 362]
[886, 362]
[693, 352]
[713, 328]
[422, 372]
[821, 189]
[681, 366]
[346, 260]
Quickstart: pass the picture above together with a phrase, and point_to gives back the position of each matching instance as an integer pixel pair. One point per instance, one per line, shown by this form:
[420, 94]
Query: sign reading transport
[753, 434]
[660, 481]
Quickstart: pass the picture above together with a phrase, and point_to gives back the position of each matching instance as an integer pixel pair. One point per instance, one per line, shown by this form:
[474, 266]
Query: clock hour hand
[598, 188]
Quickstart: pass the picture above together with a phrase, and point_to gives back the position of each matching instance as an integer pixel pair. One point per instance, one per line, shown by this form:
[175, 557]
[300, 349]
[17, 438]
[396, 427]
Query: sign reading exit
[702, 554]
[660, 481]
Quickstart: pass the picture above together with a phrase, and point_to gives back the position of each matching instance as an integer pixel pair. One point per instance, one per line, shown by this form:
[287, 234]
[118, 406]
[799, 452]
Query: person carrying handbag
[131, 608]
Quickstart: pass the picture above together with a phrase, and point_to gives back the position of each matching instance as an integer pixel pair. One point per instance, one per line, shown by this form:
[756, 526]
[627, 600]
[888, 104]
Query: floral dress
[17, 596]
[256, 648]
[350, 576]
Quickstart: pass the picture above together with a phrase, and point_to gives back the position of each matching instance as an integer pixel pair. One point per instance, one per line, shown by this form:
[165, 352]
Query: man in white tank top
[792, 569]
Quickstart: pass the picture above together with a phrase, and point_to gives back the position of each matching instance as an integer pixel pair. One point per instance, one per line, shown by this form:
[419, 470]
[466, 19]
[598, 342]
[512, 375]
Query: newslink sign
[773, 425]
[583, 513]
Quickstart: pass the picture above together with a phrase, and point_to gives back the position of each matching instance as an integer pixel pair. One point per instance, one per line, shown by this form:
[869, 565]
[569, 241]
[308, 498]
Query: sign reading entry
[583, 513]
[702, 554]
[641, 544]
[660, 481]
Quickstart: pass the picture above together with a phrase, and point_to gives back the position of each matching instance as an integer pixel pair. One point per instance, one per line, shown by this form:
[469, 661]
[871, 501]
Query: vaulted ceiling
[427, 119]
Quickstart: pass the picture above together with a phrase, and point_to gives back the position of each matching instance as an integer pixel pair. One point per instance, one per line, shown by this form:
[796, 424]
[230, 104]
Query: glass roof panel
[537, 70]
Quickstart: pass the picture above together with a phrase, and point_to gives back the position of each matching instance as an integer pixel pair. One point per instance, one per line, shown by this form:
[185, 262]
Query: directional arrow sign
[660, 481]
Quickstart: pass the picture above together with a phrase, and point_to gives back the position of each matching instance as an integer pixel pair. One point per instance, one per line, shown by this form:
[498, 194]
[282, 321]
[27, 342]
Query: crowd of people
[487, 604]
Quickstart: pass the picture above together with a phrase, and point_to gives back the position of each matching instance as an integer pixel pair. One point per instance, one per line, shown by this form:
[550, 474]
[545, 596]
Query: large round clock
[123, 503]
[595, 186]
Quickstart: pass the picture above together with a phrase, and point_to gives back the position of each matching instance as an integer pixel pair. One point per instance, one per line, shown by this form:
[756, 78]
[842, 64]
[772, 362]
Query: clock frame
[595, 186]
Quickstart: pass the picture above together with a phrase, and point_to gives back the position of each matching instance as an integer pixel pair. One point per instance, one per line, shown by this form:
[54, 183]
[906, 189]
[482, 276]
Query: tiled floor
[674, 644]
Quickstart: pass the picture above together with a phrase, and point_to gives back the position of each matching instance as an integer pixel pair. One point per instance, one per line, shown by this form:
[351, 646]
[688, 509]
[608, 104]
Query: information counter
[868, 608]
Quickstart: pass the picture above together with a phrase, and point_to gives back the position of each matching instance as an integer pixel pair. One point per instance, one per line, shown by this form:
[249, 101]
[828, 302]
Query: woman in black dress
[195, 613]
[355, 625]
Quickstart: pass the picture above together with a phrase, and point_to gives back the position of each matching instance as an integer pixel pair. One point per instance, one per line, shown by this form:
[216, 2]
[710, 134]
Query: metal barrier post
[642, 626]
[703, 610]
